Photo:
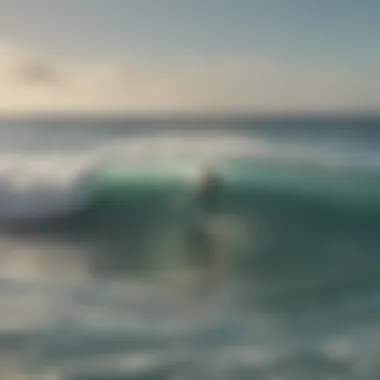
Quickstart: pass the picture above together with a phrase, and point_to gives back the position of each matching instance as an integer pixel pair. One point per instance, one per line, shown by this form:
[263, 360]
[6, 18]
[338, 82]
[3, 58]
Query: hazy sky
[190, 55]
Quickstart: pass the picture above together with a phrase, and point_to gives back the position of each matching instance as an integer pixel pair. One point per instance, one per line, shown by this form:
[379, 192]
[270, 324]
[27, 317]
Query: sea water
[112, 269]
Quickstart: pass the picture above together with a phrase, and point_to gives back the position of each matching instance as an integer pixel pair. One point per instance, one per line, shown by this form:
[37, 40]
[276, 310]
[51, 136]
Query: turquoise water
[112, 268]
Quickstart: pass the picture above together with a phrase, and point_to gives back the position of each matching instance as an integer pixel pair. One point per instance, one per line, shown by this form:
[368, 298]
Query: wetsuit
[208, 195]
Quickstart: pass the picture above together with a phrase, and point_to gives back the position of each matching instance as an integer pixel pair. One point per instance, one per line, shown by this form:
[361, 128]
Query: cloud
[36, 82]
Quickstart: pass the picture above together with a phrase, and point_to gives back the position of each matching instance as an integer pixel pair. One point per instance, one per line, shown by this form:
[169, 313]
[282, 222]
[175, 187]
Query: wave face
[113, 265]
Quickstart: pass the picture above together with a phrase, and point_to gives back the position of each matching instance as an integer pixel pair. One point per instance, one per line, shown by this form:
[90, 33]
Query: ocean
[113, 268]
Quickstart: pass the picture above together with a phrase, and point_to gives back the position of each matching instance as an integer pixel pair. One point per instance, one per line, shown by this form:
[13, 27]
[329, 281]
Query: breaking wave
[53, 185]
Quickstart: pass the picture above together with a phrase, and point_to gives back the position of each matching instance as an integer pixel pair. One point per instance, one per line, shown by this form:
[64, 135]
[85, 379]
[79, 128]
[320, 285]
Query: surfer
[208, 191]
[207, 199]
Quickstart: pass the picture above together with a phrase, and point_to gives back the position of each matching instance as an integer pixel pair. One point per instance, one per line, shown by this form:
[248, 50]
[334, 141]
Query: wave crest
[57, 184]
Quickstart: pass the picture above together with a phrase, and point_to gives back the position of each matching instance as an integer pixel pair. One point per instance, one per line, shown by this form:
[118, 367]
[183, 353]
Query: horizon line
[184, 115]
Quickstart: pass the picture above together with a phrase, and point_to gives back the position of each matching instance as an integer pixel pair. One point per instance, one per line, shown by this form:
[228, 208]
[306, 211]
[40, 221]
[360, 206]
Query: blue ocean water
[111, 267]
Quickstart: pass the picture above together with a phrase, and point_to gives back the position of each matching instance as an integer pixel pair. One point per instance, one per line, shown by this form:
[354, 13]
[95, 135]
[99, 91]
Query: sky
[218, 56]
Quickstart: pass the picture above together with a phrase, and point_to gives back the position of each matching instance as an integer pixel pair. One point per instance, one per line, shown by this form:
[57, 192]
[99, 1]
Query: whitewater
[101, 236]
